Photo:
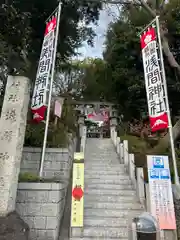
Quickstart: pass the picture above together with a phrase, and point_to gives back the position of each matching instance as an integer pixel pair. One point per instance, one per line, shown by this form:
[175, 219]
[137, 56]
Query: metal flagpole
[176, 177]
[50, 93]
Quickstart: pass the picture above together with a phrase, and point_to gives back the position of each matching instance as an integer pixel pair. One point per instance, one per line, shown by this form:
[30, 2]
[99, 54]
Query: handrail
[137, 177]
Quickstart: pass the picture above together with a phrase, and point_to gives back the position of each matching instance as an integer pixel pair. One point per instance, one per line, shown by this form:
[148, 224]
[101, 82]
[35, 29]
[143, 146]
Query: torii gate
[84, 108]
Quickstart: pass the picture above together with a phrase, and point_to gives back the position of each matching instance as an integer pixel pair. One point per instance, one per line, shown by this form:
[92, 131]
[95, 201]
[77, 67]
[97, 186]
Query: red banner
[39, 99]
[153, 81]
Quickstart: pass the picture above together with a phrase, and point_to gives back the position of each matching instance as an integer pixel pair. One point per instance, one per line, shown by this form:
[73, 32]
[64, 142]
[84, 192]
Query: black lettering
[151, 63]
[153, 77]
[41, 81]
[155, 91]
[156, 107]
[44, 53]
[38, 98]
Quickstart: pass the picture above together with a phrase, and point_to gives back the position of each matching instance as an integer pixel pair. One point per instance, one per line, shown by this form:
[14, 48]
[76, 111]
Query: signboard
[160, 192]
[77, 205]
[154, 81]
[39, 98]
[58, 108]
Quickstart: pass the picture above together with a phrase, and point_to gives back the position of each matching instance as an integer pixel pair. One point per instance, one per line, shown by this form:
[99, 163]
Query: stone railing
[137, 177]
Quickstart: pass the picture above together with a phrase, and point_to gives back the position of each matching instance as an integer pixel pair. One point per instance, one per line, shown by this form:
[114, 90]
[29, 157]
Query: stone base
[12, 227]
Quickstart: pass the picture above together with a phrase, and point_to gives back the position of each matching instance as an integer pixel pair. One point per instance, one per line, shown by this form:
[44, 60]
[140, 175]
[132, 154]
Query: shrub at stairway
[142, 147]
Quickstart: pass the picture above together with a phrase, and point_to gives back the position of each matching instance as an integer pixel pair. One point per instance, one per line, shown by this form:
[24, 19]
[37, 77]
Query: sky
[106, 16]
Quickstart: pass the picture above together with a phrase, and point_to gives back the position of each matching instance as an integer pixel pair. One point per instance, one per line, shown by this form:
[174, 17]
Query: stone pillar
[81, 125]
[126, 152]
[12, 131]
[113, 124]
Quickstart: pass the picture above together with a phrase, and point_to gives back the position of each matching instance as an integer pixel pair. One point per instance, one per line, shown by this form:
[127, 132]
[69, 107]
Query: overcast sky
[106, 16]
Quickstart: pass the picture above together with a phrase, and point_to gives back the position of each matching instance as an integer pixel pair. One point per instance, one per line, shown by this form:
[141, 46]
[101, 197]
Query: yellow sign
[78, 156]
[77, 206]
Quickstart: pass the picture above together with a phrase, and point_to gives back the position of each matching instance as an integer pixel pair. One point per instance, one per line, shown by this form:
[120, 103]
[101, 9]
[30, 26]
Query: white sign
[160, 191]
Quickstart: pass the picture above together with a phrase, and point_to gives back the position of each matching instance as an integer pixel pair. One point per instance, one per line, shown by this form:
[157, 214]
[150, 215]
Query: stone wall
[57, 163]
[41, 206]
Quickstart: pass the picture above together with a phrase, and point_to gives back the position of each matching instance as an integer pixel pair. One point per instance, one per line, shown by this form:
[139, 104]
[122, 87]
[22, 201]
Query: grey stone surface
[110, 201]
[107, 177]
[90, 238]
[118, 206]
[41, 206]
[12, 227]
[106, 186]
[108, 181]
[107, 222]
[104, 232]
[57, 162]
[12, 131]
[110, 192]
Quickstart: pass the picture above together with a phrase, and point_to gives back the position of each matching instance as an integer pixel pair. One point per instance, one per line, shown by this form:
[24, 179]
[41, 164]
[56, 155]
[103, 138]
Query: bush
[28, 177]
[136, 144]
[57, 134]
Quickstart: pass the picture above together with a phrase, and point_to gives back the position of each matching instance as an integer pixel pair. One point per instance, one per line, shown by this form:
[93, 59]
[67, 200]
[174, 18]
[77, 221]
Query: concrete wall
[41, 206]
[58, 161]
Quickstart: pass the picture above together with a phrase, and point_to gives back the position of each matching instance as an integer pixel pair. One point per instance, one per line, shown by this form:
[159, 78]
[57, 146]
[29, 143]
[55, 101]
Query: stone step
[105, 172]
[101, 156]
[87, 238]
[104, 177]
[106, 222]
[104, 232]
[95, 166]
[90, 186]
[118, 213]
[103, 161]
[103, 205]
[110, 192]
[108, 181]
[112, 199]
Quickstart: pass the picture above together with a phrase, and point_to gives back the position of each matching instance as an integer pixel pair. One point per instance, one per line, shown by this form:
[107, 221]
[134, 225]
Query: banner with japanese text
[154, 81]
[40, 96]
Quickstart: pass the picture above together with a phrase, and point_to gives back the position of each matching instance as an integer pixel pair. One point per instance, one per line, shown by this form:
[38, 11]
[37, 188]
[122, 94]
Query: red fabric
[159, 122]
[148, 37]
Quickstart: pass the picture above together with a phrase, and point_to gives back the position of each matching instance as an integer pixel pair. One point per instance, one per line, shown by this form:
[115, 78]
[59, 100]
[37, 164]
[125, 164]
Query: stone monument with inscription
[12, 132]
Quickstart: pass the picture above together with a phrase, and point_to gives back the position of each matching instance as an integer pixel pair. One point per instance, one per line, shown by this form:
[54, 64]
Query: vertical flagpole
[50, 94]
[176, 177]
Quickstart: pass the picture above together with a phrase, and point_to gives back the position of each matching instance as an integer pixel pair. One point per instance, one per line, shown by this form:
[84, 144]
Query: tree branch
[166, 49]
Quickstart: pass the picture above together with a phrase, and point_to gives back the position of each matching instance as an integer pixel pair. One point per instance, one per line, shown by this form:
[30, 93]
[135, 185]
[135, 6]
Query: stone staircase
[110, 201]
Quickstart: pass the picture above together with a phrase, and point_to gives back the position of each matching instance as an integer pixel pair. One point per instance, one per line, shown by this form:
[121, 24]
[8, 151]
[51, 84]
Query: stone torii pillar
[113, 125]
[12, 132]
[81, 125]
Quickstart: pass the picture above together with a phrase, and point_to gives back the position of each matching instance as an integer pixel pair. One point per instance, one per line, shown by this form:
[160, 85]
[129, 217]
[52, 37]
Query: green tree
[123, 56]
[22, 29]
